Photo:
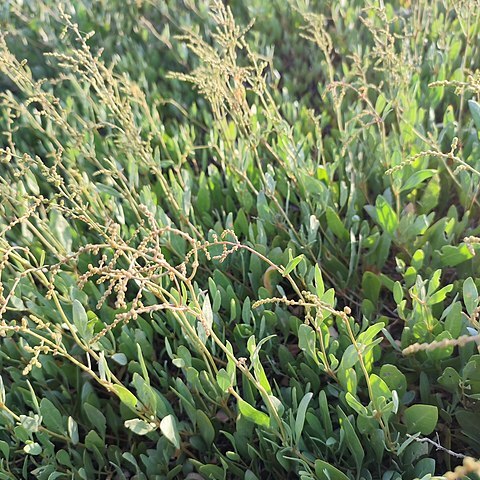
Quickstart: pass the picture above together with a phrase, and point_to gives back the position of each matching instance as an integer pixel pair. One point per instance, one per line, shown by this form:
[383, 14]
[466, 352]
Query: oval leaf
[421, 419]
[291, 265]
[252, 414]
[300, 419]
[475, 111]
[168, 427]
[413, 181]
[126, 396]
[140, 427]
[325, 471]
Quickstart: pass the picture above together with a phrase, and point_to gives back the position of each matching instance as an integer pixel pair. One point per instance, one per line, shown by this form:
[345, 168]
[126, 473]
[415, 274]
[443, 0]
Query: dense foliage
[239, 249]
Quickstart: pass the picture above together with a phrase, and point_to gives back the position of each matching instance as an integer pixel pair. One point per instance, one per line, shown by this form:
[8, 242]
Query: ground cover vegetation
[239, 241]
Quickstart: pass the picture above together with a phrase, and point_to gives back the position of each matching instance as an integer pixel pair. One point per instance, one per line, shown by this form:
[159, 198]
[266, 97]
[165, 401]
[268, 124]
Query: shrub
[239, 250]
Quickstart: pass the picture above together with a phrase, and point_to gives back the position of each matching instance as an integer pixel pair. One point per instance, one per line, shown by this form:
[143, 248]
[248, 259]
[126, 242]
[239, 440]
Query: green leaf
[469, 423]
[397, 292]
[371, 285]
[440, 295]
[231, 366]
[300, 418]
[325, 471]
[31, 423]
[205, 428]
[120, 358]
[103, 368]
[223, 380]
[5, 450]
[421, 419]
[212, 472]
[249, 475]
[470, 295]
[355, 404]
[259, 371]
[434, 282]
[32, 448]
[168, 427]
[380, 103]
[475, 111]
[126, 397]
[453, 255]
[450, 379]
[379, 387]
[394, 378]
[319, 285]
[203, 195]
[454, 321]
[207, 312]
[351, 439]
[425, 468]
[413, 181]
[418, 259]
[80, 320]
[383, 249]
[349, 357]
[252, 414]
[348, 379]
[140, 427]
[387, 218]
[52, 418]
[72, 428]
[146, 395]
[306, 341]
[63, 458]
[392, 341]
[94, 441]
[336, 225]
[143, 366]
[325, 413]
[291, 265]
[370, 333]
[441, 352]
[95, 418]
[2, 391]
[277, 405]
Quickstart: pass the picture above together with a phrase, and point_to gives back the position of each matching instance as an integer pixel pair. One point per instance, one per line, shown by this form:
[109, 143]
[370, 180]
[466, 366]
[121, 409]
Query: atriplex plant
[273, 277]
